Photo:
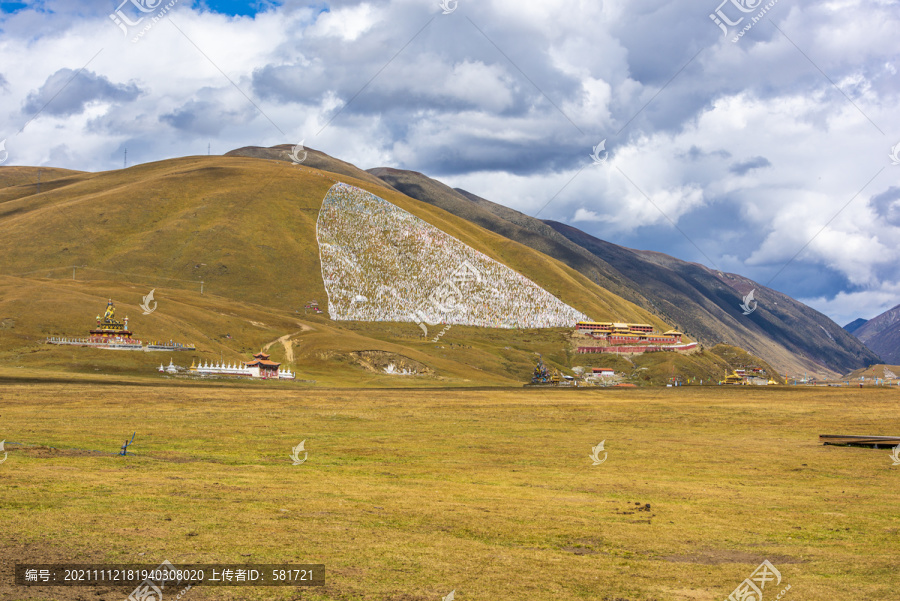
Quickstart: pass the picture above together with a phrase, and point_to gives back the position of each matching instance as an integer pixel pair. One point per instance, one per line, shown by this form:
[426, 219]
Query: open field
[409, 494]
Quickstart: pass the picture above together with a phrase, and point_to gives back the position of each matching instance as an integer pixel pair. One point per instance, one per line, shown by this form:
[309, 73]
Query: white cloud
[582, 214]
[348, 23]
[844, 307]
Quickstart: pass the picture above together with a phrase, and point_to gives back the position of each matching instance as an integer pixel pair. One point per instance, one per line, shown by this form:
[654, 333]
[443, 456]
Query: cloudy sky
[765, 153]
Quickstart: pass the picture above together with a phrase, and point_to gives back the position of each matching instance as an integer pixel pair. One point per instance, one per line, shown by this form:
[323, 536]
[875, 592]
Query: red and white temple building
[627, 338]
[261, 367]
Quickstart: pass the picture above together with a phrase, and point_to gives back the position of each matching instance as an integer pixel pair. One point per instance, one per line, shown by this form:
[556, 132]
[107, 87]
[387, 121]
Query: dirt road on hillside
[287, 344]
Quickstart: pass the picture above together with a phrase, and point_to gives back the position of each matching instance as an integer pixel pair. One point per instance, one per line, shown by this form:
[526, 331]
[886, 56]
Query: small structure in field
[313, 306]
[752, 376]
[261, 367]
[864, 441]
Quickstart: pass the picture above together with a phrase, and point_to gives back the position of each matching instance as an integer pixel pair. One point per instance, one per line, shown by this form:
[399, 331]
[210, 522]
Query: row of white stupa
[227, 369]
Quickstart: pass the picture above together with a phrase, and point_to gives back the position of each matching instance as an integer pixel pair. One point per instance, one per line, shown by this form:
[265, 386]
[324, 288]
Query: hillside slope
[791, 336]
[229, 245]
[882, 335]
[245, 227]
[314, 159]
[872, 372]
[38, 177]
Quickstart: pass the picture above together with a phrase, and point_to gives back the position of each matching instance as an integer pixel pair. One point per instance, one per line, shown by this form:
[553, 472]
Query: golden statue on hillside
[108, 325]
[110, 312]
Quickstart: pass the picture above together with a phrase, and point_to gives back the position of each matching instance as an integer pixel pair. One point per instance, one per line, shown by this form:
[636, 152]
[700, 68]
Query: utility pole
[125, 161]
[73, 272]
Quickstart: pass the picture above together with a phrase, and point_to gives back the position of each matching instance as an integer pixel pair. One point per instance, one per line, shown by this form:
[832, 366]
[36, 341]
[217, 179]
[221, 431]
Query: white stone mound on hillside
[381, 263]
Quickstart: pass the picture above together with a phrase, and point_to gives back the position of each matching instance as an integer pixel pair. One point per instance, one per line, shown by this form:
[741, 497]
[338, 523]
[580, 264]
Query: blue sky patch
[237, 8]
[11, 7]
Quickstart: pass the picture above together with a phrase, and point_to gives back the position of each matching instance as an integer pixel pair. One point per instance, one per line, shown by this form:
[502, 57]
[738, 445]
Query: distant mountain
[705, 302]
[855, 325]
[702, 302]
[882, 335]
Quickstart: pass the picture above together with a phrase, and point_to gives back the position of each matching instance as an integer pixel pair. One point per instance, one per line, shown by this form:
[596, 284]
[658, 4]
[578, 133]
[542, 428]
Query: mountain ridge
[665, 285]
[882, 335]
[855, 325]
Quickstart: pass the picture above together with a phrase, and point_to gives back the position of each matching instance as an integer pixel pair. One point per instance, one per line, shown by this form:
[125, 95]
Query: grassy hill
[658, 369]
[315, 159]
[874, 371]
[30, 176]
[243, 229]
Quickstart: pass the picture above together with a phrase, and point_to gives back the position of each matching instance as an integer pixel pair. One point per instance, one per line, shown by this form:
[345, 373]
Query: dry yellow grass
[412, 494]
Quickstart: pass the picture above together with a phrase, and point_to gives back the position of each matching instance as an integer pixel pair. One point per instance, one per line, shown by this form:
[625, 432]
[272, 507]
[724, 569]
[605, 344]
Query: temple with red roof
[261, 367]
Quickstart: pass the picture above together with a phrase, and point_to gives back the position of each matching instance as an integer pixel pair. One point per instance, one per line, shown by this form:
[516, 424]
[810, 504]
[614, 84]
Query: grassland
[408, 495]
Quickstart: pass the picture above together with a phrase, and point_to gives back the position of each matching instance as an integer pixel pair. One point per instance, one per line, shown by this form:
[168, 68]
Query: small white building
[260, 367]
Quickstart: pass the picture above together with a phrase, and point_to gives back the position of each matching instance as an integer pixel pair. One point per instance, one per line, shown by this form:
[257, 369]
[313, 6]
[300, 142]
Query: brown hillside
[23, 176]
[245, 228]
[314, 159]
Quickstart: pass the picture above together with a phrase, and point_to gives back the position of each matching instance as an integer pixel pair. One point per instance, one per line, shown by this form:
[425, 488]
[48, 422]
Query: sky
[758, 138]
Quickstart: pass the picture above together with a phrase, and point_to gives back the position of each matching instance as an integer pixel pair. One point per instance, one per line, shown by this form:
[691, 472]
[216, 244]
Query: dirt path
[286, 343]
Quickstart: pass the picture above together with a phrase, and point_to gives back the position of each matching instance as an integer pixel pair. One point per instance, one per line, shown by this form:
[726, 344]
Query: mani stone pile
[381, 263]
